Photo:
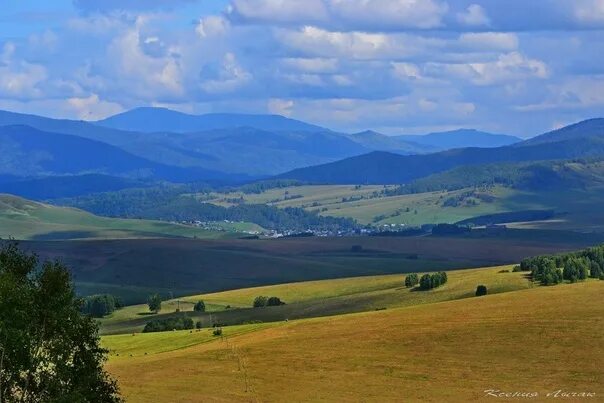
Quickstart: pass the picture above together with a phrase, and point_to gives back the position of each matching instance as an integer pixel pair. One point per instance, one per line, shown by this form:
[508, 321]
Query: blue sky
[396, 66]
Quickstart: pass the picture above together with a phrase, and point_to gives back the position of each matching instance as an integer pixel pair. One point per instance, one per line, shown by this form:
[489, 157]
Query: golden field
[535, 340]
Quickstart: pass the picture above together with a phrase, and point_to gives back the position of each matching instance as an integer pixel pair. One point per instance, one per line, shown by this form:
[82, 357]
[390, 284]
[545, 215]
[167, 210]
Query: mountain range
[580, 140]
[155, 144]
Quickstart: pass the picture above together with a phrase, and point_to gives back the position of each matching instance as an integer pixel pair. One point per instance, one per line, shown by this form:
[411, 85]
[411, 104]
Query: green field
[24, 219]
[541, 339]
[318, 298]
[577, 208]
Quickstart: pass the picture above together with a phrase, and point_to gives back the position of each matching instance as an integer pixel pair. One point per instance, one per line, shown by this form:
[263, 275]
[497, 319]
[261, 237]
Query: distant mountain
[238, 150]
[461, 138]
[28, 152]
[397, 144]
[585, 129]
[388, 168]
[150, 120]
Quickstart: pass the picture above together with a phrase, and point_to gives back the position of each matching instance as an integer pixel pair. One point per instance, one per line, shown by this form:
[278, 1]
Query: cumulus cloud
[473, 16]
[336, 14]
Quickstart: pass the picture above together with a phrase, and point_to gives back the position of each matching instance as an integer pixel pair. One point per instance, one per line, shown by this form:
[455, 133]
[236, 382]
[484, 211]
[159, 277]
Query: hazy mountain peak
[152, 119]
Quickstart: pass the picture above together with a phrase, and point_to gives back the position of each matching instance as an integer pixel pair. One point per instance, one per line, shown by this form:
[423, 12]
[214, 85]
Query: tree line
[571, 267]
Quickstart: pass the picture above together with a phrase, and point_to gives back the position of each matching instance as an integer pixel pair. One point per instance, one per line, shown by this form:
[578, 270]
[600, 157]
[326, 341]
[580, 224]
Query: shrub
[481, 290]
[274, 301]
[198, 324]
[260, 301]
[517, 268]
[217, 331]
[199, 306]
[411, 280]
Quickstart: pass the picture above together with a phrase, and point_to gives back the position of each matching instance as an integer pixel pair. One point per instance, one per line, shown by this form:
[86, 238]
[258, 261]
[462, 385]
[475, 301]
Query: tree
[411, 280]
[154, 302]
[274, 301]
[199, 306]
[481, 290]
[49, 351]
[425, 282]
[260, 301]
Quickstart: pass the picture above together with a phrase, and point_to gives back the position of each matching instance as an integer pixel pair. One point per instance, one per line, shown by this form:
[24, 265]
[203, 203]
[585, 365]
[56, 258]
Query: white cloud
[92, 108]
[508, 67]
[474, 16]
[589, 11]
[212, 26]
[388, 14]
[19, 79]
[280, 106]
[353, 14]
[230, 77]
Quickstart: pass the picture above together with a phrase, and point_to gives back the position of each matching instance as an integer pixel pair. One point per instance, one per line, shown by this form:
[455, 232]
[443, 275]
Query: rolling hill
[149, 120]
[577, 141]
[27, 220]
[419, 352]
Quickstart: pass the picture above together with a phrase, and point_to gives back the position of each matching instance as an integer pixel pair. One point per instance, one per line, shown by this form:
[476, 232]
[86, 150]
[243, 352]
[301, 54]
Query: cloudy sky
[397, 66]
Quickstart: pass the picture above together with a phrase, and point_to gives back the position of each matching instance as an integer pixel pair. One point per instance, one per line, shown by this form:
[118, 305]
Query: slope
[25, 219]
[451, 351]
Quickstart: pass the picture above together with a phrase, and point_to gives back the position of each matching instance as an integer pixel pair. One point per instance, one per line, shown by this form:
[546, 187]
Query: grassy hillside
[319, 298]
[450, 351]
[577, 206]
[135, 268]
[24, 219]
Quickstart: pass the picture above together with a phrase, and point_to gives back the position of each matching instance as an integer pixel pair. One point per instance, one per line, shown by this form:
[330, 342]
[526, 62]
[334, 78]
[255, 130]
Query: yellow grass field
[359, 294]
[534, 340]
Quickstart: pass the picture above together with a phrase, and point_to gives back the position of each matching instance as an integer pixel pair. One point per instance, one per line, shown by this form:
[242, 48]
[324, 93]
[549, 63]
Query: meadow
[539, 340]
[135, 268]
[317, 298]
[368, 205]
[29, 220]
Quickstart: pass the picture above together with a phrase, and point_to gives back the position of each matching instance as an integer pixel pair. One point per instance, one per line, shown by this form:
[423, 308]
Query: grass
[319, 298]
[24, 219]
[541, 339]
[578, 207]
[135, 268]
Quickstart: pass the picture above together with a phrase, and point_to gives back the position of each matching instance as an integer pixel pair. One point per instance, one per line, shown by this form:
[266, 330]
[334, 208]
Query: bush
[217, 331]
[411, 280]
[260, 302]
[198, 324]
[274, 301]
[481, 290]
[200, 306]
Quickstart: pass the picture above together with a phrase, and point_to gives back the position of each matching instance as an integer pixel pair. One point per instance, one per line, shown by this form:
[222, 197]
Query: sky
[395, 66]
